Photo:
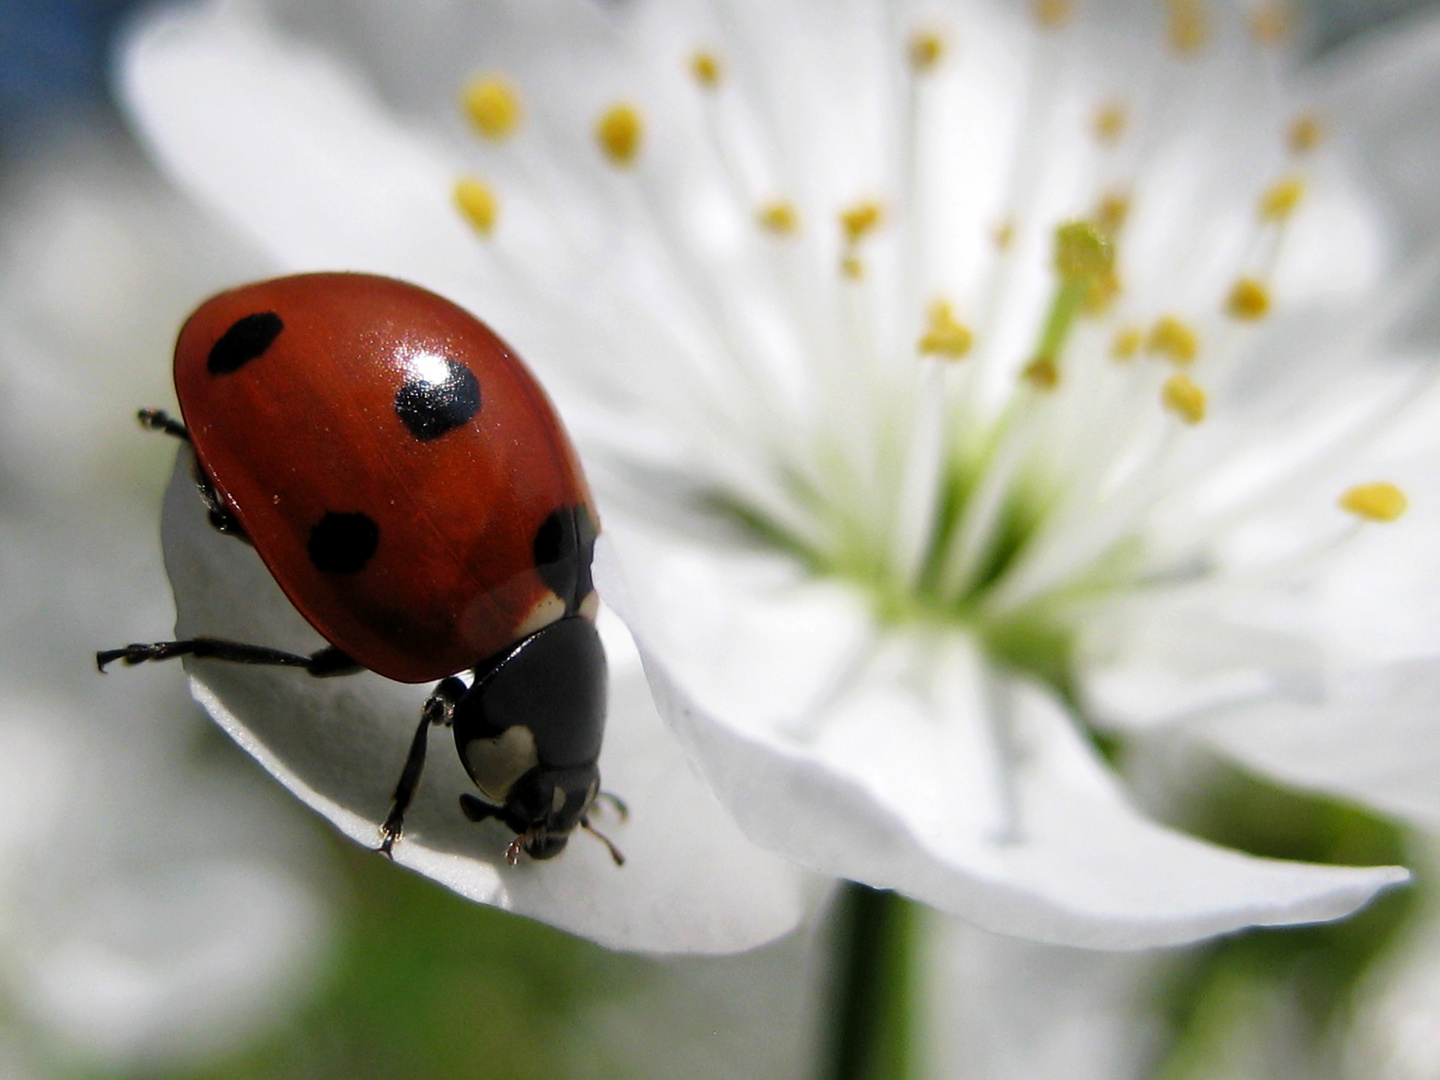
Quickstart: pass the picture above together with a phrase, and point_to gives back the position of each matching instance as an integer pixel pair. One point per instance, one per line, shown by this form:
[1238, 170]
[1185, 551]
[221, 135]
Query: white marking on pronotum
[497, 763]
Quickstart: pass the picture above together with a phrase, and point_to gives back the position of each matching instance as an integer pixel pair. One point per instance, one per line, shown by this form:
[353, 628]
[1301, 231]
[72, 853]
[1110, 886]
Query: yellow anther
[1380, 501]
[1042, 373]
[1110, 122]
[1248, 301]
[1082, 252]
[927, 49]
[1271, 23]
[860, 220]
[476, 200]
[1127, 342]
[1111, 212]
[1305, 134]
[1003, 235]
[852, 267]
[493, 106]
[1182, 397]
[1052, 14]
[944, 334]
[1188, 27]
[779, 217]
[1173, 339]
[1280, 198]
[620, 132]
[705, 66]
[1104, 288]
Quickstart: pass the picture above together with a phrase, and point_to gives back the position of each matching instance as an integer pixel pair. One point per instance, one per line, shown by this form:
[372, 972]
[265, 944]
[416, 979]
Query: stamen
[1280, 199]
[944, 334]
[1111, 120]
[779, 217]
[1128, 340]
[860, 220]
[1042, 373]
[706, 68]
[1110, 214]
[927, 49]
[1271, 24]
[620, 132]
[1173, 339]
[493, 106]
[1052, 14]
[1305, 134]
[1182, 397]
[1380, 501]
[1083, 257]
[1188, 27]
[477, 202]
[1249, 300]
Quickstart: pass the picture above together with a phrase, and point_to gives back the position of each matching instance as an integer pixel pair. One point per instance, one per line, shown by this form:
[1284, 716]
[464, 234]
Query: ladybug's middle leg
[322, 663]
[438, 710]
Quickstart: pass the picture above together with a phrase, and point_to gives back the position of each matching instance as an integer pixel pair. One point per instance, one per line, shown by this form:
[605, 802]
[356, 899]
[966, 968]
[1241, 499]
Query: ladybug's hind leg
[322, 663]
[160, 420]
[439, 709]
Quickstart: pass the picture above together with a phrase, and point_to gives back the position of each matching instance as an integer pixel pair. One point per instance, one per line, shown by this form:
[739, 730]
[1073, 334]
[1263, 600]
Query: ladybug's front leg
[438, 710]
[220, 516]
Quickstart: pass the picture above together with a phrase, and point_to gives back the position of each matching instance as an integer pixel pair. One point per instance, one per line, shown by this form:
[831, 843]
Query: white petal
[1001, 1008]
[251, 123]
[1060, 856]
[692, 883]
[1367, 734]
[1382, 92]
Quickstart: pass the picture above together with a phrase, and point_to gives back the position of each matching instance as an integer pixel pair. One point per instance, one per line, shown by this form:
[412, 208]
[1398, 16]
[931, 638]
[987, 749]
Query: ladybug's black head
[546, 806]
[528, 732]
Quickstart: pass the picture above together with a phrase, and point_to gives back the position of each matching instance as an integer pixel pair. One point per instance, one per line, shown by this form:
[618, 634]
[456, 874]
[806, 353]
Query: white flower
[953, 376]
[158, 906]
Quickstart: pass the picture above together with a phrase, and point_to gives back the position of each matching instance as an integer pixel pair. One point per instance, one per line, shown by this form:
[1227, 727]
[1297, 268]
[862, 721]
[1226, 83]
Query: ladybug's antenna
[614, 851]
[617, 802]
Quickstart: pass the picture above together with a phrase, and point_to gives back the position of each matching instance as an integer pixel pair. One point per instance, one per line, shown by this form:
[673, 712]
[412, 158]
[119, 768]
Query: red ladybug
[408, 484]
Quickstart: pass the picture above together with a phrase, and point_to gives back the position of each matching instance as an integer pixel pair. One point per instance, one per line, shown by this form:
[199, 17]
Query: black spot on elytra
[246, 339]
[430, 409]
[564, 547]
[343, 543]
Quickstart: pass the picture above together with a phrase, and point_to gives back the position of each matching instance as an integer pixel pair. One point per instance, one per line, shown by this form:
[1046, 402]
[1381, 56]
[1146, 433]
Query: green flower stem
[872, 986]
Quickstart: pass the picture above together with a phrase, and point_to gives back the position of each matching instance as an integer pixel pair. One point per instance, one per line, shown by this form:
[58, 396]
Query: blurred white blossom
[157, 905]
[956, 379]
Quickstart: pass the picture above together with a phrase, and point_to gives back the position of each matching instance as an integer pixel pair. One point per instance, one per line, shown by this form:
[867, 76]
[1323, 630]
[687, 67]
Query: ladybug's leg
[160, 420]
[438, 710]
[324, 662]
[220, 516]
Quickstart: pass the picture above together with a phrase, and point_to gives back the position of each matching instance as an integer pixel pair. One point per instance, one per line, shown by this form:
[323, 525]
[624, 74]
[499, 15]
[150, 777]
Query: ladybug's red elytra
[408, 484]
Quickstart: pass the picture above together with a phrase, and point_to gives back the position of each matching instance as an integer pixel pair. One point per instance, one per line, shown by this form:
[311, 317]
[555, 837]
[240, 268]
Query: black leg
[220, 516]
[325, 662]
[439, 708]
[221, 519]
[160, 420]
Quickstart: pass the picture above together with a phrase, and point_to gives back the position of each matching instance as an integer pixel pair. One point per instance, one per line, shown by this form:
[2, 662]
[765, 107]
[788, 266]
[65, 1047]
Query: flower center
[969, 414]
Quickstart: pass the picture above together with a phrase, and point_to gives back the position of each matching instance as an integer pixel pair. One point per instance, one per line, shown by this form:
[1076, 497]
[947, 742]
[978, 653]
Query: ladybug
[408, 484]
